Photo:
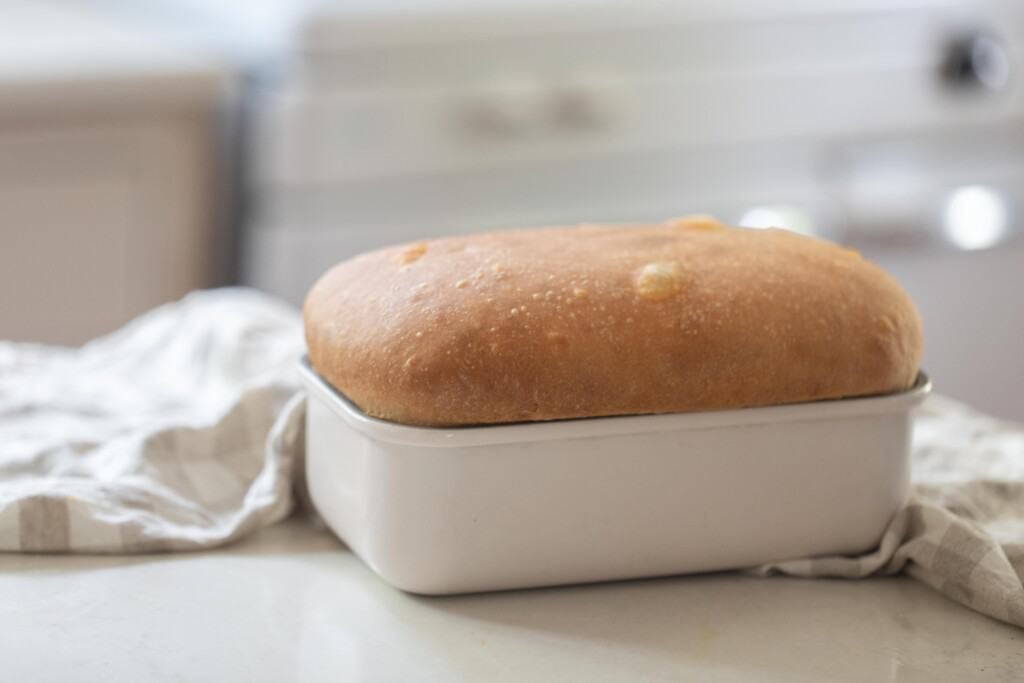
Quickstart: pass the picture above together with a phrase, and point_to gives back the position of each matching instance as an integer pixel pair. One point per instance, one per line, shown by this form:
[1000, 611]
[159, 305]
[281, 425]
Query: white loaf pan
[511, 506]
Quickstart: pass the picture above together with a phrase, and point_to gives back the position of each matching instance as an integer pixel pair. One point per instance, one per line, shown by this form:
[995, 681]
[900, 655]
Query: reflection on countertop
[292, 603]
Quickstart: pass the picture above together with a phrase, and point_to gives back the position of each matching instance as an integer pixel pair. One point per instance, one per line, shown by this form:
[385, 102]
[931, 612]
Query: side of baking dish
[438, 511]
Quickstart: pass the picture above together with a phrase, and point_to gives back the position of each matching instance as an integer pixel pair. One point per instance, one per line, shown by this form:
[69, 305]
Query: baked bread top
[607, 320]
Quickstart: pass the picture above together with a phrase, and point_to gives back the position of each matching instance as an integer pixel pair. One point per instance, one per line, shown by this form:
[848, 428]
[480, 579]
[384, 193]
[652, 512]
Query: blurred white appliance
[108, 172]
[896, 127]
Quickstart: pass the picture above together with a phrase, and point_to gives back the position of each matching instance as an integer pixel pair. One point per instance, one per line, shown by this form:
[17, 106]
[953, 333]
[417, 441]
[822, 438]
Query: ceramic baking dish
[511, 506]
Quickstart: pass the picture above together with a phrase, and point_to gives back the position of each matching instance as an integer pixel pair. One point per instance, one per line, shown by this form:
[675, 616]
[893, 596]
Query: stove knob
[976, 60]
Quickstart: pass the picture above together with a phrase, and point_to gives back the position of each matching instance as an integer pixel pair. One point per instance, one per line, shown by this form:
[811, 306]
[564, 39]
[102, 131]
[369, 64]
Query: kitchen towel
[962, 531]
[184, 431]
[161, 436]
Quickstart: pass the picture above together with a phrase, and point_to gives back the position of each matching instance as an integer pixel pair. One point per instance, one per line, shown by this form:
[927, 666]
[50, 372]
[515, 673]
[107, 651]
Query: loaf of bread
[607, 320]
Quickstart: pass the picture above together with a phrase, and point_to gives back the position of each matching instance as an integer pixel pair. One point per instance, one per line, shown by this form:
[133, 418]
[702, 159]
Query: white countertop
[292, 604]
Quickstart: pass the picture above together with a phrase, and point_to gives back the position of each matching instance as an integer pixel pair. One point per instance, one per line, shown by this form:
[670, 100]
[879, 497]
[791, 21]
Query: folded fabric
[162, 436]
[962, 532]
[184, 430]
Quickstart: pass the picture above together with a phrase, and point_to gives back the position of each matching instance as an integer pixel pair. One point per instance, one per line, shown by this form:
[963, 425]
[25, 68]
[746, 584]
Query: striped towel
[962, 531]
[184, 431]
[162, 436]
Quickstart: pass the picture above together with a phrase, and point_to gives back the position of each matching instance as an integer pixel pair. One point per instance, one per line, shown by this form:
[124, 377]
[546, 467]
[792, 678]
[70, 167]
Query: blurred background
[151, 147]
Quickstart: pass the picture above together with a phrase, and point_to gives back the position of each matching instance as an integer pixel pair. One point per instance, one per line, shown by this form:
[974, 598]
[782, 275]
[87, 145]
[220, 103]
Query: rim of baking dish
[589, 427]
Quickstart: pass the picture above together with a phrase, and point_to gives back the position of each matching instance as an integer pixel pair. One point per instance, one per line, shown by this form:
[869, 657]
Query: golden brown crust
[607, 320]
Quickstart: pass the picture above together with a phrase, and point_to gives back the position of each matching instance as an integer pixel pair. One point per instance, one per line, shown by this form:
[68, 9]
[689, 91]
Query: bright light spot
[975, 217]
[787, 217]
